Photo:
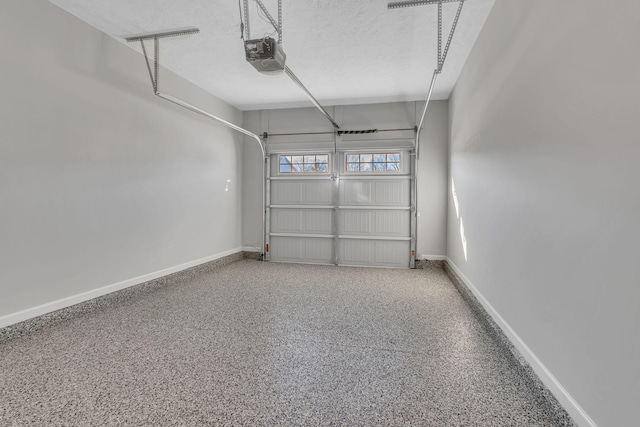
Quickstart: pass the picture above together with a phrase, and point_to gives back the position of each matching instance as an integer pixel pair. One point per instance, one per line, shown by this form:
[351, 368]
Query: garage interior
[159, 268]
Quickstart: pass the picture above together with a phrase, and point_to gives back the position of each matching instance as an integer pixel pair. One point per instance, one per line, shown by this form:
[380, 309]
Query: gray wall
[432, 167]
[545, 147]
[432, 180]
[100, 181]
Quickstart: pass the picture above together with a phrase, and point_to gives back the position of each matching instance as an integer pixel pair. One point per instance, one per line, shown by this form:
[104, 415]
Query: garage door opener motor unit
[266, 55]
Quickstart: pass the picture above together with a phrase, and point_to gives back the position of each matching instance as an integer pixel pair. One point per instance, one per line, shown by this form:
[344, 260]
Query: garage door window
[308, 163]
[373, 162]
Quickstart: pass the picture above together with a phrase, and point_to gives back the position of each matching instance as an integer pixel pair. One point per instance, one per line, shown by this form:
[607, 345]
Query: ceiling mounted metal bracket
[442, 56]
[154, 76]
[246, 24]
[276, 25]
[163, 34]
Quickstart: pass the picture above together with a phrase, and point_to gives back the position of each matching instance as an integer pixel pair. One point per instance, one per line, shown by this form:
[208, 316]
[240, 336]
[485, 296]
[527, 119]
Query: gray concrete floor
[270, 344]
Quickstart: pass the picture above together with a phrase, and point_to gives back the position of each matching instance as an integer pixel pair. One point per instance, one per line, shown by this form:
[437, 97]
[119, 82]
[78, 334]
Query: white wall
[545, 146]
[432, 168]
[252, 185]
[432, 180]
[101, 181]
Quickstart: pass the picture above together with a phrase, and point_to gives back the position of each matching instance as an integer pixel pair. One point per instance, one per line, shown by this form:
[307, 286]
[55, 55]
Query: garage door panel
[286, 220]
[383, 253]
[394, 193]
[318, 192]
[376, 192]
[302, 249]
[318, 221]
[301, 192]
[392, 223]
[355, 252]
[304, 221]
[354, 192]
[355, 222]
[392, 254]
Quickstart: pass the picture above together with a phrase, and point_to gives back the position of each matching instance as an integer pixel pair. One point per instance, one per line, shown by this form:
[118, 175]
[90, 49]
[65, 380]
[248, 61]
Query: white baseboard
[564, 398]
[39, 310]
[250, 249]
[433, 257]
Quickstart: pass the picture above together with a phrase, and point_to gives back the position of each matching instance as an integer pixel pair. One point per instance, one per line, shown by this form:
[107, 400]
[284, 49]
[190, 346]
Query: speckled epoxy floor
[268, 344]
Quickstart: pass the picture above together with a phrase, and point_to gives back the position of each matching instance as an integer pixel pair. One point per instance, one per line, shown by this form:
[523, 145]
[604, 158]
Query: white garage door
[301, 209]
[374, 209]
[349, 208]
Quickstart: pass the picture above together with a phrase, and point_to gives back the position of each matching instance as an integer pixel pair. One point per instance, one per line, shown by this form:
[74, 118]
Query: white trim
[378, 145]
[313, 236]
[39, 310]
[302, 207]
[291, 152]
[376, 237]
[286, 261]
[373, 266]
[548, 379]
[301, 176]
[367, 176]
[374, 208]
[255, 249]
[432, 257]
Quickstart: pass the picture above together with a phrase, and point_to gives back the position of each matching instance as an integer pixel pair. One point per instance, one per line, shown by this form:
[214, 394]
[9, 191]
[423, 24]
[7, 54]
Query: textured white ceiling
[344, 51]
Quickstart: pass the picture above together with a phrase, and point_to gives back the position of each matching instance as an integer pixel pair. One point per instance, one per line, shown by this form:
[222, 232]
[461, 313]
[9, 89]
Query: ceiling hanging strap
[453, 29]
[280, 21]
[439, 35]
[156, 59]
[276, 25]
[151, 73]
[442, 56]
[246, 19]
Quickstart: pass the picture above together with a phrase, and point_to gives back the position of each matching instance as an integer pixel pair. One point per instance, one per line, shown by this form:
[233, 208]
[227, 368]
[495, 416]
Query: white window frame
[373, 153]
[303, 172]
